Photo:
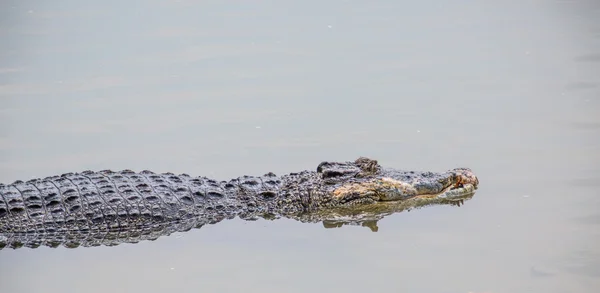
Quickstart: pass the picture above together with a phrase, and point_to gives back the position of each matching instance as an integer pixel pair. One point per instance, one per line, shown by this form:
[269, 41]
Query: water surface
[507, 88]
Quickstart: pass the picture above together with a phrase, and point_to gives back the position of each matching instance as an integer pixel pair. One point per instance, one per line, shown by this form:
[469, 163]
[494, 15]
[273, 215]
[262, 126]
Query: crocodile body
[109, 208]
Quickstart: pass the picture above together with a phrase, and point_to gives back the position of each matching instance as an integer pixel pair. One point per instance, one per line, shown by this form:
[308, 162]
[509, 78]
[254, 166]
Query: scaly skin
[108, 208]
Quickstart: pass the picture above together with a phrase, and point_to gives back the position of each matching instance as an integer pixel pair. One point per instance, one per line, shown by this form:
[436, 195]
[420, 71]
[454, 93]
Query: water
[507, 88]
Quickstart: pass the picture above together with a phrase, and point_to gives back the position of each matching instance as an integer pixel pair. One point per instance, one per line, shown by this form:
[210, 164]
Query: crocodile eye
[335, 172]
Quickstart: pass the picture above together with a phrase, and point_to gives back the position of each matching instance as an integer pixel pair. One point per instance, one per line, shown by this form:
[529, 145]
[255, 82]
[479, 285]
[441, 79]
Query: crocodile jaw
[454, 184]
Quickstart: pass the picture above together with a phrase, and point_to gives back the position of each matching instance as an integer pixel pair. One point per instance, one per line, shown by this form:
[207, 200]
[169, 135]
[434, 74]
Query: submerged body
[90, 207]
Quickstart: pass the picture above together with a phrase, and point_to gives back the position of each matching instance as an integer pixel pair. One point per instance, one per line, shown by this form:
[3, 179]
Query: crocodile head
[364, 181]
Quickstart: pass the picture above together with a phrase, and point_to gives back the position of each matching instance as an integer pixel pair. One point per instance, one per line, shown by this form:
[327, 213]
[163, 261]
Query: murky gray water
[508, 88]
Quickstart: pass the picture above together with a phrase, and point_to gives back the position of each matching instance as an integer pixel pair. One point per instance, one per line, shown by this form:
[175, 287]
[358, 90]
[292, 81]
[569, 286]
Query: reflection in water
[366, 216]
[369, 216]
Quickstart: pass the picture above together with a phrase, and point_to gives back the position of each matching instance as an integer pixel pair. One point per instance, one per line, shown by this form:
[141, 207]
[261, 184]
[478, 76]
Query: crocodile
[107, 208]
